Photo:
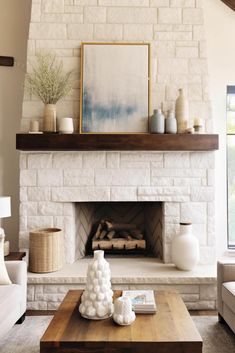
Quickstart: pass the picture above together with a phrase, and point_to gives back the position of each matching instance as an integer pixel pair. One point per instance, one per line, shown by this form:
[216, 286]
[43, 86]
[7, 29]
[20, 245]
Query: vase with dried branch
[49, 83]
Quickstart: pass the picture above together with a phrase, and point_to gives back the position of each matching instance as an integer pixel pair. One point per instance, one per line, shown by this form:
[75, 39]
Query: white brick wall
[175, 29]
[49, 296]
[52, 182]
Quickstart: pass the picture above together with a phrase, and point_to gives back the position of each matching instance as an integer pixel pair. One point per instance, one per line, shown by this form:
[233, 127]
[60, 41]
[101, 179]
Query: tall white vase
[97, 298]
[185, 248]
[49, 118]
[182, 111]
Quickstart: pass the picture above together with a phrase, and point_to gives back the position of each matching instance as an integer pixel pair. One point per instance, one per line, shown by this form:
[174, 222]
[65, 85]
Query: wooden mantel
[117, 142]
[230, 3]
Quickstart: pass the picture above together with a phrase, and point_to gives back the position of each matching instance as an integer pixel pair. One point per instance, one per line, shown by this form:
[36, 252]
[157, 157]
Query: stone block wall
[173, 27]
[51, 183]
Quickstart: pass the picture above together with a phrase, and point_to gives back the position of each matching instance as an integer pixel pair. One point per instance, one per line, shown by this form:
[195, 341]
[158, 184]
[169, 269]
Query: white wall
[220, 29]
[14, 22]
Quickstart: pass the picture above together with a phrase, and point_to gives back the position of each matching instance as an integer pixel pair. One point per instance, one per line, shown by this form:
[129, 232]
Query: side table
[15, 256]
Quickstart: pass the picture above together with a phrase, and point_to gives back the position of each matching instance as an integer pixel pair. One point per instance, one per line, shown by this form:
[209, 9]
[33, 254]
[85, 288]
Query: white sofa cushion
[10, 311]
[228, 294]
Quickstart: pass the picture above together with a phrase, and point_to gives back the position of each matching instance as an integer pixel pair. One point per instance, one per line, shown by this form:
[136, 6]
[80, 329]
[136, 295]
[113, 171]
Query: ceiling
[230, 3]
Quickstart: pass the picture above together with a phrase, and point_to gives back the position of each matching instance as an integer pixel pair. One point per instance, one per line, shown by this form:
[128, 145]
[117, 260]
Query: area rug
[217, 338]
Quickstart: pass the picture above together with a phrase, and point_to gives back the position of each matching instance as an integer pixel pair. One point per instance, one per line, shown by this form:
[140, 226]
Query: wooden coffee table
[171, 330]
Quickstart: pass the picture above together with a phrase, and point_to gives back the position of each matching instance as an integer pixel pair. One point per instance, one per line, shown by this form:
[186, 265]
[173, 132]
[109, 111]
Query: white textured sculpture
[123, 313]
[97, 298]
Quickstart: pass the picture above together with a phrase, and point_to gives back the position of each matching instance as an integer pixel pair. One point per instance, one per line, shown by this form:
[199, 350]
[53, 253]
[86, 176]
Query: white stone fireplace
[53, 184]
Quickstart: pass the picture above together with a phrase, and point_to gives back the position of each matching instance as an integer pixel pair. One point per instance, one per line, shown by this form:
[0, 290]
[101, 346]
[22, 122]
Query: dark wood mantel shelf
[117, 142]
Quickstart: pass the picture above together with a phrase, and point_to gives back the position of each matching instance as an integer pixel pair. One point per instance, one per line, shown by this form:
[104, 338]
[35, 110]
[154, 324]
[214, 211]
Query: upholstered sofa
[13, 296]
[226, 292]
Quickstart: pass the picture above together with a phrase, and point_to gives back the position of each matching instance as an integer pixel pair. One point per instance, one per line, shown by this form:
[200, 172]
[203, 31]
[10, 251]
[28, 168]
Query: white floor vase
[185, 248]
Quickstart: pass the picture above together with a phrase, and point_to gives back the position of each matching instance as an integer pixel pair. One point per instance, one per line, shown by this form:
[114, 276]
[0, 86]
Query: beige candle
[198, 122]
[34, 126]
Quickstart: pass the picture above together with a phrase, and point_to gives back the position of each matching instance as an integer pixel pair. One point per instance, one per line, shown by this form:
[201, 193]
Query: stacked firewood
[111, 235]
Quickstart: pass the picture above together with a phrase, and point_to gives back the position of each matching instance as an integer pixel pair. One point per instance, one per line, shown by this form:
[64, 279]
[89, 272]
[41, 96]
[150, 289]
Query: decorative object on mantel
[123, 314]
[185, 248]
[49, 83]
[66, 125]
[97, 298]
[33, 126]
[198, 125]
[115, 87]
[182, 112]
[157, 122]
[46, 250]
[171, 123]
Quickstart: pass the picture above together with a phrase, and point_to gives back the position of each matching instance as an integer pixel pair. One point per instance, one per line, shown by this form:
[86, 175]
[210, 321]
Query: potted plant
[49, 83]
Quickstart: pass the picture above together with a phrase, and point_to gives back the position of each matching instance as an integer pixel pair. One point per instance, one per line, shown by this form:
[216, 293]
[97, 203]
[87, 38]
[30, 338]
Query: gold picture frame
[115, 88]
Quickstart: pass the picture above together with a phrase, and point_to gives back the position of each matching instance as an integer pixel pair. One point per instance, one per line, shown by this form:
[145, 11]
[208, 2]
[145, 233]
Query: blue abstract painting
[115, 88]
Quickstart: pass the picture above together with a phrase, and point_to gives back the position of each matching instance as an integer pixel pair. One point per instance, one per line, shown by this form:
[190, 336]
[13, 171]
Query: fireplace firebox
[126, 228]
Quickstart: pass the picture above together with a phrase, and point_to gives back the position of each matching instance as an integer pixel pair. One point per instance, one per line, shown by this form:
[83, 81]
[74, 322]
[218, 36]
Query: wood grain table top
[171, 329]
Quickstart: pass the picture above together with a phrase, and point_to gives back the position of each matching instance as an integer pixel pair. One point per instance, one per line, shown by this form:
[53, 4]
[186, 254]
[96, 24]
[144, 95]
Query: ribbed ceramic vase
[185, 248]
[97, 298]
[49, 118]
[182, 111]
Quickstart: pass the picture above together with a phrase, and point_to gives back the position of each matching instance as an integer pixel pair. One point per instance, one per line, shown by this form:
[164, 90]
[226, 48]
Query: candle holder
[198, 129]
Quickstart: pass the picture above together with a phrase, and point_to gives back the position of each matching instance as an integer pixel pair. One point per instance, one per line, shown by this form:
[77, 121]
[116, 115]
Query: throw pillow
[4, 278]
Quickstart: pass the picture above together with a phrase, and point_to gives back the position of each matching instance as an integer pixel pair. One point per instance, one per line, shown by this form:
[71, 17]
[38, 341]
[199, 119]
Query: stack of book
[143, 301]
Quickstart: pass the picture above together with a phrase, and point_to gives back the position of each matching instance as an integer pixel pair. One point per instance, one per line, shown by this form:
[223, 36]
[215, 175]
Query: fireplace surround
[53, 183]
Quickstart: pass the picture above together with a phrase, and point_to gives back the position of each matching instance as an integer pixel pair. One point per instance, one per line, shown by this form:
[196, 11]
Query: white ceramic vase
[182, 111]
[49, 118]
[171, 123]
[157, 122]
[123, 313]
[97, 298]
[185, 248]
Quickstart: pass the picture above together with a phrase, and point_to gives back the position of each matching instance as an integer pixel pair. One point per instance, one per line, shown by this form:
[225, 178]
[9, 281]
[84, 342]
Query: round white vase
[97, 298]
[185, 248]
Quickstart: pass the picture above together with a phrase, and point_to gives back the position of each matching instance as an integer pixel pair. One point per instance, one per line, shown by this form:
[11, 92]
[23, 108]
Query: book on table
[143, 301]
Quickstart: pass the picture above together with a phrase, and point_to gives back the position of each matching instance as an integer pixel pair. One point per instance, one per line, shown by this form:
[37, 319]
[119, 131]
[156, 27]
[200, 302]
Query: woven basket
[46, 250]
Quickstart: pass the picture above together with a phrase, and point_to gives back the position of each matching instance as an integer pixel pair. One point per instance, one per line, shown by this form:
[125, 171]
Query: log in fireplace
[127, 228]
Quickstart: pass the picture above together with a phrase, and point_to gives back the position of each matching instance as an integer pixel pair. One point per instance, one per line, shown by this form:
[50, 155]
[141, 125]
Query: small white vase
[185, 248]
[97, 298]
[49, 118]
[123, 313]
[171, 123]
[182, 111]
[157, 122]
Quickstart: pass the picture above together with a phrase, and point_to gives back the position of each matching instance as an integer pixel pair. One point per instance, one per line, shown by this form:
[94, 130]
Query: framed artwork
[115, 88]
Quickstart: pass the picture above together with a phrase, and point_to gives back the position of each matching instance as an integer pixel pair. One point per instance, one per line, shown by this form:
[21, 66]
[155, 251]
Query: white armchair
[226, 292]
[13, 296]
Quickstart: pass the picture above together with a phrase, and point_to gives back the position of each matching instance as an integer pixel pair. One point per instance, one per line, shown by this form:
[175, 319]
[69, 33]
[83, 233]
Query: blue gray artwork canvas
[115, 88]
